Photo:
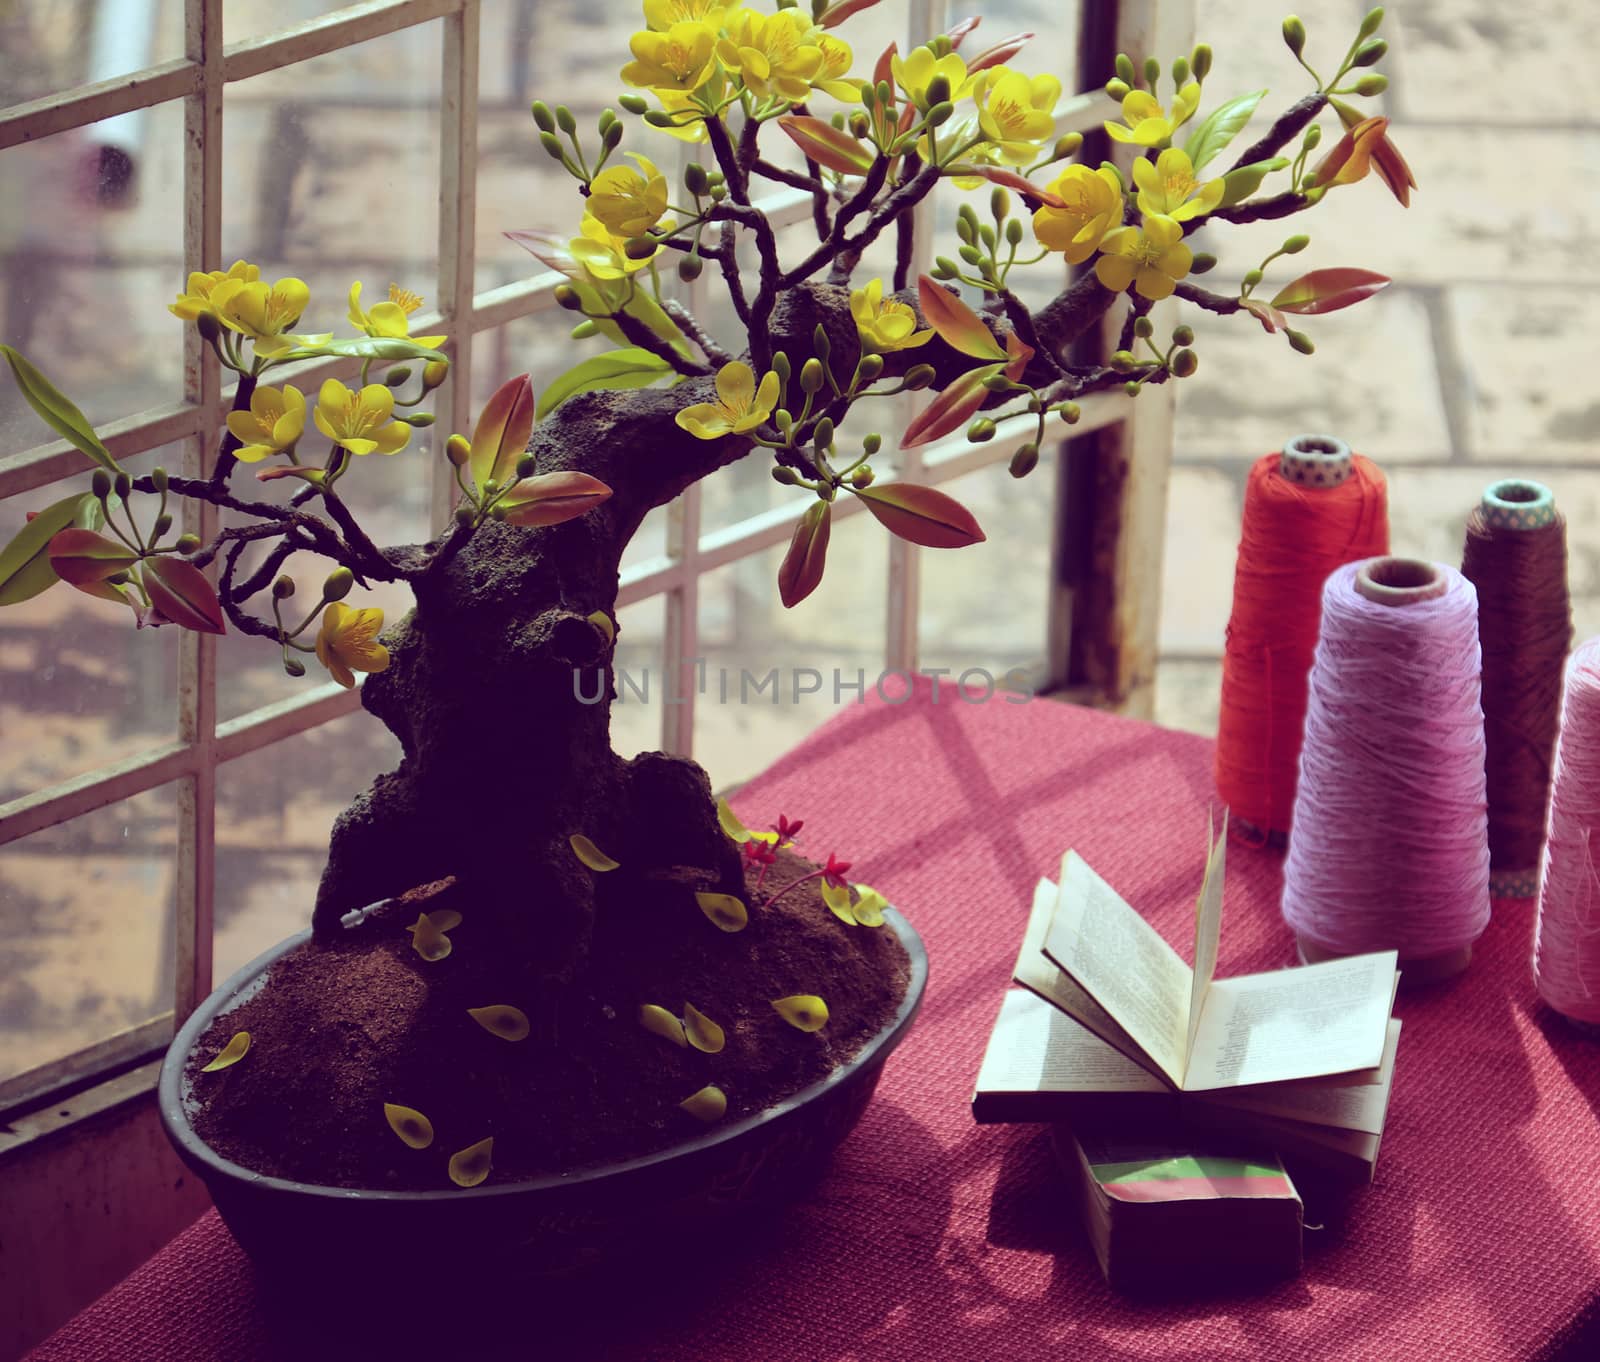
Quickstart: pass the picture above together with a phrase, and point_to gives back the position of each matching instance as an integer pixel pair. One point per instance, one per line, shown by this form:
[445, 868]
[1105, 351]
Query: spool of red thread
[1307, 510]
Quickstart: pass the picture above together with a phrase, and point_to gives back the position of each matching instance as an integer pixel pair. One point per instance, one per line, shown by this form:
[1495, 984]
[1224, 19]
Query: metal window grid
[203, 744]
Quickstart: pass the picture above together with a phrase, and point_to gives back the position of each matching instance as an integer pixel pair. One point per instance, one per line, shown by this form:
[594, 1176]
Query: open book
[1114, 1020]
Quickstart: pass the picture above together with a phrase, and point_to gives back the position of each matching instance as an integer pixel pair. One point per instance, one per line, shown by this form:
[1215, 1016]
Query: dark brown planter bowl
[551, 1227]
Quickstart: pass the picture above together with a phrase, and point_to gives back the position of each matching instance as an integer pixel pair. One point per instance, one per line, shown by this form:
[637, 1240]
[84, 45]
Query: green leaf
[629, 368]
[957, 324]
[550, 498]
[362, 347]
[827, 145]
[922, 515]
[1238, 185]
[57, 411]
[1225, 123]
[81, 556]
[25, 568]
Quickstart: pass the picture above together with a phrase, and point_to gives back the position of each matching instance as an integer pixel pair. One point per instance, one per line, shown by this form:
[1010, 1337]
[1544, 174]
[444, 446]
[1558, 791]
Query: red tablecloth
[933, 1238]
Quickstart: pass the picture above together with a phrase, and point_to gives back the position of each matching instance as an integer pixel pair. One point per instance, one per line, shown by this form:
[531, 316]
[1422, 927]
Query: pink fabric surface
[933, 1238]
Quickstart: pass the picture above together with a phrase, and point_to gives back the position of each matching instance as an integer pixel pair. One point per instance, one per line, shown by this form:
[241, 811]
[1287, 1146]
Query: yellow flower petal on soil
[884, 326]
[348, 642]
[360, 420]
[604, 623]
[740, 405]
[1016, 112]
[235, 1050]
[660, 1022]
[1168, 188]
[730, 823]
[626, 201]
[1093, 200]
[868, 907]
[837, 897]
[470, 1166]
[772, 53]
[703, 1033]
[803, 1011]
[1146, 123]
[275, 422]
[1152, 258]
[724, 910]
[428, 939]
[409, 1124]
[509, 1023]
[681, 59]
[591, 855]
[389, 318]
[195, 300]
[708, 1105]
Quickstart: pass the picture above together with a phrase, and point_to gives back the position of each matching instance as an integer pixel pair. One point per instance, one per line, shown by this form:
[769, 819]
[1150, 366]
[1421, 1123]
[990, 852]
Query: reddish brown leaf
[1270, 318]
[1328, 290]
[1021, 353]
[79, 556]
[180, 591]
[550, 498]
[801, 570]
[1003, 51]
[501, 435]
[827, 145]
[1027, 188]
[951, 408]
[1351, 157]
[922, 515]
[957, 324]
[961, 30]
[883, 72]
[837, 14]
[1393, 170]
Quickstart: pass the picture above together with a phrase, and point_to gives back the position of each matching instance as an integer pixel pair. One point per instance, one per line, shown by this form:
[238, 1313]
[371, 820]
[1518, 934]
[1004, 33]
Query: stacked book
[1112, 1033]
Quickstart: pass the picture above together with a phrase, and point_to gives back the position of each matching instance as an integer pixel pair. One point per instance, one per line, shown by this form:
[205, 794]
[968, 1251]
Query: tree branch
[243, 621]
[690, 325]
[727, 160]
[637, 333]
[851, 209]
[230, 442]
[1212, 302]
[1287, 126]
[1260, 210]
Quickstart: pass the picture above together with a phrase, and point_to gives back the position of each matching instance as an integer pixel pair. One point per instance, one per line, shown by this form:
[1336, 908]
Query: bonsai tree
[508, 784]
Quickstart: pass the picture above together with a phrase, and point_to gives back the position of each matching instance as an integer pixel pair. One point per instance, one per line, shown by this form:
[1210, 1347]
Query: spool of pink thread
[1391, 845]
[1566, 943]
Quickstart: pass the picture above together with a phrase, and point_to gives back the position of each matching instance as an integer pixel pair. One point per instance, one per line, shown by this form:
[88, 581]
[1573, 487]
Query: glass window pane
[87, 269]
[87, 912]
[275, 809]
[636, 714]
[54, 45]
[80, 686]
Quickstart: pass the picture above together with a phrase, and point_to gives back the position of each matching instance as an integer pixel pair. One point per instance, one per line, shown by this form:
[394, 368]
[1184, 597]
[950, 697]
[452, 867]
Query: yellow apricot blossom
[1093, 207]
[834, 78]
[772, 53]
[682, 59]
[740, 405]
[603, 253]
[263, 312]
[348, 642]
[1168, 188]
[360, 420]
[1152, 258]
[914, 72]
[629, 202]
[661, 15]
[884, 326]
[195, 300]
[1148, 124]
[1016, 112]
[389, 318]
[275, 421]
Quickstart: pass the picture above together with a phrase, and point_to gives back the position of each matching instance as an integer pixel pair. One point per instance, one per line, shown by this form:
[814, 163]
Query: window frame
[203, 744]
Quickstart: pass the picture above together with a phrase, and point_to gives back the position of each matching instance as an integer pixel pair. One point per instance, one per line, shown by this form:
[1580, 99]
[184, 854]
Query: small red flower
[834, 872]
[759, 852]
[786, 830]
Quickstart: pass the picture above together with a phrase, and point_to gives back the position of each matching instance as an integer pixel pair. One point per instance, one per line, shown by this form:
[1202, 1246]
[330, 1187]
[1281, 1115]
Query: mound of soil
[344, 1026]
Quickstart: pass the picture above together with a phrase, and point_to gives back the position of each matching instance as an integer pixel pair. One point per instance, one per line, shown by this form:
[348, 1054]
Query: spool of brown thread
[1516, 556]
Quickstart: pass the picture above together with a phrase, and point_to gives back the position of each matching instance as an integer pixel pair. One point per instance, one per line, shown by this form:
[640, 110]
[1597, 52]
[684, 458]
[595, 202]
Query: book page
[1207, 922]
[1035, 1047]
[1355, 1106]
[1119, 958]
[1034, 970]
[1293, 1023]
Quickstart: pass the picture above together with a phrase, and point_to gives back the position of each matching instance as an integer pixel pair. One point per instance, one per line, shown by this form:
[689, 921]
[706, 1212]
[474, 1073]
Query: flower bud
[999, 204]
[434, 372]
[1200, 61]
[971, 254]
[458, 449]
[187, 544]
[158, 479]
[610, 138]
[527, 466]
[497, 513]
[1184, 363]
[1370, 54]
[1203, 262]
[859, 124]
[869, 96]
[119, 579]
[695, 179]
[919, 376]
[294, 666]
[658, 118]
[1295, 244]
[1070, 412]
[209, 327]
[871, 443]
[940, 114]
[997, 383]
[1123, 361]
[338, 585]
[981, 430]
[822, 437]
[784, 421]
[418, 420]
[821, 347]
[1152, 72]
[634, 104]
[1132, 387]
[938, 91]
[689, 268]
[1183, 335]
[1143, 327]
[100, 484]
[1014, 232]
[465, 515]
[122, 484]
[863, 476]
[1180, 70]
[1067, 146]
[1252, 278]
[785, 477]
[885, 93]
[1370, 24]
[608, 117]
[552, 145]
[283, 588]
[1373, 83]
[811, 376]
[566, 296]
[1298, 340]
[1118, 88]
[585, 330]
[1024, 461]
[1294, 34]
[163, 523]
[397, 376]
[719, 192]
[542, 117]
[1313, 136]
[944, 267]
[564, 119]
[870, 367]
[1124, 68]
[639, 248]
[780, 366]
